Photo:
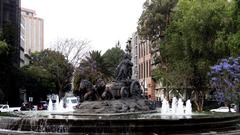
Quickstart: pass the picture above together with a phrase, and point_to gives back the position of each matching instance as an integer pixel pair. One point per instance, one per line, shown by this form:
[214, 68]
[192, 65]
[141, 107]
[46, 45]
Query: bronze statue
[100, 87]
[87, 91]
[124, 69]
[123, 87]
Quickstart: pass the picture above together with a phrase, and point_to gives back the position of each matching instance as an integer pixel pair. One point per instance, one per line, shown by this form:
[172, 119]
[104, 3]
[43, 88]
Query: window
[139, 70]
[144, 69]
[147, 69]
[74, 100]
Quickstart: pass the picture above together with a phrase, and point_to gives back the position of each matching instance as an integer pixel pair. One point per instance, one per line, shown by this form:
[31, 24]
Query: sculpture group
[122, 87]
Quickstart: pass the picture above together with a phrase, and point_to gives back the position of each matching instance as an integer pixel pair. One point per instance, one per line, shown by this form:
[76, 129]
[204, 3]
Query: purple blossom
[225, 79]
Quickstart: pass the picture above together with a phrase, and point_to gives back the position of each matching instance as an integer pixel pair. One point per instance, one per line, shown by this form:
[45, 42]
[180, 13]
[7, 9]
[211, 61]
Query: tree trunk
[61, 93]
[199, 100]
[229, 107]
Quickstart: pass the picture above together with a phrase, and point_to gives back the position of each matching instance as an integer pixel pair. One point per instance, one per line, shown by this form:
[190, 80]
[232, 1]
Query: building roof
[28, 10]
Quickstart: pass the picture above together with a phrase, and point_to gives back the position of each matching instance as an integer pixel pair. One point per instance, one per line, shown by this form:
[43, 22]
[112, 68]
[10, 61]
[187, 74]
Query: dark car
[43, 105]
[27, 106]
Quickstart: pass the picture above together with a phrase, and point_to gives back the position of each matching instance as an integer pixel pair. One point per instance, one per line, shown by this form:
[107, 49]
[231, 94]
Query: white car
[222, 109]
[70, 102]
[6, 108]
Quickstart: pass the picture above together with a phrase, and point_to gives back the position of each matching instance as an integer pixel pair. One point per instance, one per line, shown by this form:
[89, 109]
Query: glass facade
[10, 18]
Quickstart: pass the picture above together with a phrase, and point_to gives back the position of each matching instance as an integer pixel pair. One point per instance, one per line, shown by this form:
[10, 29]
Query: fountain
[58, 106]
[174, 105]
[177, 107]
[165, 107]
[118, 107]
[50, 105]
[188, 109]
[180, 109]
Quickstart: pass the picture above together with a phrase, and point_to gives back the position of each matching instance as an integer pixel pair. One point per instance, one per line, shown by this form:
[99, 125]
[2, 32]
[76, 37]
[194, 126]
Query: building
[142, 65]
[32, 39]
[10, 25]
[32, 31]
[22, 41]
[10, 29]
[134, 41]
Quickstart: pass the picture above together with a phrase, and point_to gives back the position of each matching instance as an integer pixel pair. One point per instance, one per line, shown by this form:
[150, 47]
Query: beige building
[33, 32]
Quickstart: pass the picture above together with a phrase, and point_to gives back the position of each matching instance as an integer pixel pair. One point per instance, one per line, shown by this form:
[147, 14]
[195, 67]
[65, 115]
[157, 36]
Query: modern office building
[10, 16]
[10, 23]
[32, 32]
[22, 41]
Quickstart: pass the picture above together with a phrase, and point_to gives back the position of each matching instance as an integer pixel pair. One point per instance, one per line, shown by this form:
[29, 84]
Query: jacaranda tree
[225, 80]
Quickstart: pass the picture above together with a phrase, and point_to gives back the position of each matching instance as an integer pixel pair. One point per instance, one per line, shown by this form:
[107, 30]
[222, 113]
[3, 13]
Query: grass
[7, 114]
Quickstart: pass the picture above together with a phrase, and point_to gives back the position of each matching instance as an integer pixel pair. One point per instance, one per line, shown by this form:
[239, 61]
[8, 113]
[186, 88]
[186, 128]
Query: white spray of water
[174, 105]
[188, 109]
[50, 105]
[180, 109]
[165, 107]
[177, 107]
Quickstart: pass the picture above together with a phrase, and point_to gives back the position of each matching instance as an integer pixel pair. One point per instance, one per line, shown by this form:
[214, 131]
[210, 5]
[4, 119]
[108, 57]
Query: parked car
[70, 102]
[6, 108]
[43, 105]
[27, 106]
[223, 109]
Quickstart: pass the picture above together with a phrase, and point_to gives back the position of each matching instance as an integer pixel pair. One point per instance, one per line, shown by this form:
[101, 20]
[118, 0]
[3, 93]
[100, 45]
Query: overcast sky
[103, 22]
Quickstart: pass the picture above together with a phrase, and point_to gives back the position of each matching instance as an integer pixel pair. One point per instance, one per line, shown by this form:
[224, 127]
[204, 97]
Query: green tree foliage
[152, 25]
[112, 58]
[95, 66]
[51, 66]
[155, 18]
[3, 49]
[91, 68]
[37, 81]
[190, 36]
[194, 41]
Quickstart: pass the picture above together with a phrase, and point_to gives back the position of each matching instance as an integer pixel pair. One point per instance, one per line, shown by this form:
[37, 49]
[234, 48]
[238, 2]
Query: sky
[102, 22]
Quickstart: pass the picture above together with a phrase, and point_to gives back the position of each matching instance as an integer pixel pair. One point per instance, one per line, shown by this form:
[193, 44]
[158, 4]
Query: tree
[73, 50]
[193, 42]
[112, 58]
[37, 81]
[152, 25]
[59, 68]
[155, 18]
[225, 80]
[3, 49]
[91, 68]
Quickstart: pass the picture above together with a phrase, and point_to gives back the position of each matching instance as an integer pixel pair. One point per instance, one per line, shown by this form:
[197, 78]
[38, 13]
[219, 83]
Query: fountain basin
[121, 123]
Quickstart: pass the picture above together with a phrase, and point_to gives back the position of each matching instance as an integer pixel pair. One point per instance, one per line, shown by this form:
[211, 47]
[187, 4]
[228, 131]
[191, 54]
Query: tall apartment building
[142, 65]
[32, 31]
